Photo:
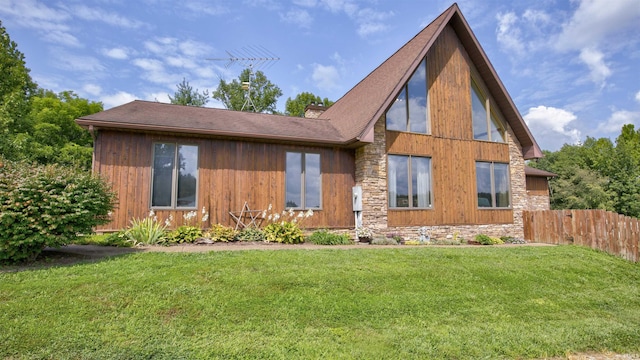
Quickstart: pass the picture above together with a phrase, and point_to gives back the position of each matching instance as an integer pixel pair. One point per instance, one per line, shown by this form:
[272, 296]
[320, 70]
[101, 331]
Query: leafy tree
[296, 106]
[187, 96]
[16, 88]
[264, 94]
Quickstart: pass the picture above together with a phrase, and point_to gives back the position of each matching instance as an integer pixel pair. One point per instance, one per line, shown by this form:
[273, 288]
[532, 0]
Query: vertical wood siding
[537, 185]
[230, 173]
[450, 145]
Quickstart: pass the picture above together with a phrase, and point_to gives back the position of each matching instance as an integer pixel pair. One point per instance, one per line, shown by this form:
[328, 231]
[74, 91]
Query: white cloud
[92, 89]
[77, 63]
[594, 59]
[298, 17]
[595, 20]
[551, 126]
[325, 77]
[509, 36]
[117, 99]
[162, 97]
[614, 124]
[110, 18]
[368, 21]
[116, 53]
[205, 7]
[62, 38]
[149, 64]
[638, 96]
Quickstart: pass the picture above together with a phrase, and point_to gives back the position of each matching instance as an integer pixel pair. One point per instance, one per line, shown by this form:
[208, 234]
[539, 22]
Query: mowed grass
[404, 303]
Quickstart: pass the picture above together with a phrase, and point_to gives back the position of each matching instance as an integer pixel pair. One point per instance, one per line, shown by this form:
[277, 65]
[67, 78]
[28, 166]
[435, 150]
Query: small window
[485, 125]
[409, 112]
[303, 181]
[174, 186]
[493, 185]
[409, 181]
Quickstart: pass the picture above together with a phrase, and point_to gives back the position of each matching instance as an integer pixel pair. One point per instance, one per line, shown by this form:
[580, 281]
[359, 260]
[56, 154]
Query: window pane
[312, 181]
[293, 183]
[397, 114]
[417, 93]
[483, 182]
[497, 134]
[163, 159]
[187, 175]
[479, 115]
[421, 181]
[501, 179]
[398, 181]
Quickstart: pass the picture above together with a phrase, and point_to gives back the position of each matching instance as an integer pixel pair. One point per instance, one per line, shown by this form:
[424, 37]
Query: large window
[493, 185]
[174, 176]
[303, 181]
[485, 124]
[410, 112]
[409, 181]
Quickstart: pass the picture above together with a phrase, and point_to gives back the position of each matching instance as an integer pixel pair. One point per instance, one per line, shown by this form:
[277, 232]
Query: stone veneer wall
[371, 175]
[538, 202]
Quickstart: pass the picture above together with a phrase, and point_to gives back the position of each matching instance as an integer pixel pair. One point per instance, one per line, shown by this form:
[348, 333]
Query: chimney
[313, 110]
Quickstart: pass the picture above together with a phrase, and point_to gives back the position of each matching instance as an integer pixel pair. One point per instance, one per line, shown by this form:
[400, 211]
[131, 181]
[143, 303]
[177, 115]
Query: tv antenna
[252, 58]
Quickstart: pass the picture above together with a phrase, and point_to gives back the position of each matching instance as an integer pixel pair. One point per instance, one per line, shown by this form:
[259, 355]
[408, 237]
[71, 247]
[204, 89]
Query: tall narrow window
[303, 181]
[493, 185]
[409, 112]
[409, 181]
[485, 124]
[174, 180]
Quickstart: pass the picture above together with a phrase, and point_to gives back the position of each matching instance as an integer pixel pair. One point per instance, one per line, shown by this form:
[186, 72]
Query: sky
[572, 67]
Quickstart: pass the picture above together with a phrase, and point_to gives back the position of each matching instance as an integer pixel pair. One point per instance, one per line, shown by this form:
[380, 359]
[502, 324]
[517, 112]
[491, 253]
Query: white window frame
[410, 184]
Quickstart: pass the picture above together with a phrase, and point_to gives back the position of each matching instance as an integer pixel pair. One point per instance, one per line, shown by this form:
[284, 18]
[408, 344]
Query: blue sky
[572, 67]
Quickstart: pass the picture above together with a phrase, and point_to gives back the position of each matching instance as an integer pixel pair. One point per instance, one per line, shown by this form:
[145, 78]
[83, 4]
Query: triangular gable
[355, 114]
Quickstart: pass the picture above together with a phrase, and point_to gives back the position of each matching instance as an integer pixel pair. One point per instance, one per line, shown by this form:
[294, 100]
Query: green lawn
[418, 302]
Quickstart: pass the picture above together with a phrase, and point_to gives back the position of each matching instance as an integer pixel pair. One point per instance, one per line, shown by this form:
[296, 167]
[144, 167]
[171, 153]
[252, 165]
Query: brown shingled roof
[529, 171]
[358, 110]
[146, 115]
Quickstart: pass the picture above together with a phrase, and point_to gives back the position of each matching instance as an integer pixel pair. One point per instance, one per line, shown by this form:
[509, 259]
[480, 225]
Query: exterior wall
[538, 193]
[453, 153]
[230, 172]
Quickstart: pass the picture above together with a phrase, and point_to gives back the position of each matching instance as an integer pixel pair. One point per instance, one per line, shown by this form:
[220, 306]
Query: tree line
[597, 174]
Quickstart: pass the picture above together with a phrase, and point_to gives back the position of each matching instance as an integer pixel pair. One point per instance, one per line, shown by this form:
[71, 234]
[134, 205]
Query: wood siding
[230, 173]
[450, 145]
[537, 185]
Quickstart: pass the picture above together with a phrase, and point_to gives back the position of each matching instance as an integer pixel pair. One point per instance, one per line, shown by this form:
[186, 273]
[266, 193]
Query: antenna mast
[252, 58]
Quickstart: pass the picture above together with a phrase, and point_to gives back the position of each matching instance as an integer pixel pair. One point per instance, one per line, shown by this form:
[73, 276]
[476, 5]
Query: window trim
[491, 113]
[405, 90]
[493, 186]
[303, 185]
[174, 177]
[410, 183]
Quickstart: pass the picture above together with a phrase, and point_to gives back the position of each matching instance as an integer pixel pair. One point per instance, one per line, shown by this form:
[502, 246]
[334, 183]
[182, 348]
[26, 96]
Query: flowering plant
[363, 232]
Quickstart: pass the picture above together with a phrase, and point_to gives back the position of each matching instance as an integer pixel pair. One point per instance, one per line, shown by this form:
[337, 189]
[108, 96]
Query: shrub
[285, 232]
[381, 240]
[324, 237]
[184, 234]
[49, 205]
[487, 240]
[250, 234]
[221, 233]
[147, 231]
[512, 240]
[118, 239]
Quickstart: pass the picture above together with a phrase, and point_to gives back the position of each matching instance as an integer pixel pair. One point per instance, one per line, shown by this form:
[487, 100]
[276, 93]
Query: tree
[295, 107]
[187, 96]
[16, 88]
[264, 94]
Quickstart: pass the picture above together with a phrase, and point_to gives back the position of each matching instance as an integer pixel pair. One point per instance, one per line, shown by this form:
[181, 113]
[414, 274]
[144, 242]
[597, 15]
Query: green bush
[118, 239]
[324, 237]
[285, 232]
[250, 234]
[184, 234]
[383, 240]
[49, 205]
[221, 233]
[147, 231]
[487, 240]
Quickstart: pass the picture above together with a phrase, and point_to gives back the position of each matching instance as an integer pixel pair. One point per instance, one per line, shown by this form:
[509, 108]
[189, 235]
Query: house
[431, 137]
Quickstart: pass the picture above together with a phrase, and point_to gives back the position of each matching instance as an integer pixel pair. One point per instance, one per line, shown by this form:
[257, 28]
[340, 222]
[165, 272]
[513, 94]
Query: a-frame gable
[355, 114]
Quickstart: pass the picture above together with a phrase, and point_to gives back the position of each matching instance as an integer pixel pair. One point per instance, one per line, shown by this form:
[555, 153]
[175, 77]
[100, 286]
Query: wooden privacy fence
[604, 230]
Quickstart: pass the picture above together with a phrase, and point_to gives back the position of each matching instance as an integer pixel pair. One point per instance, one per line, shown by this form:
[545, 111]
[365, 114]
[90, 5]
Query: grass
[463, 303]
